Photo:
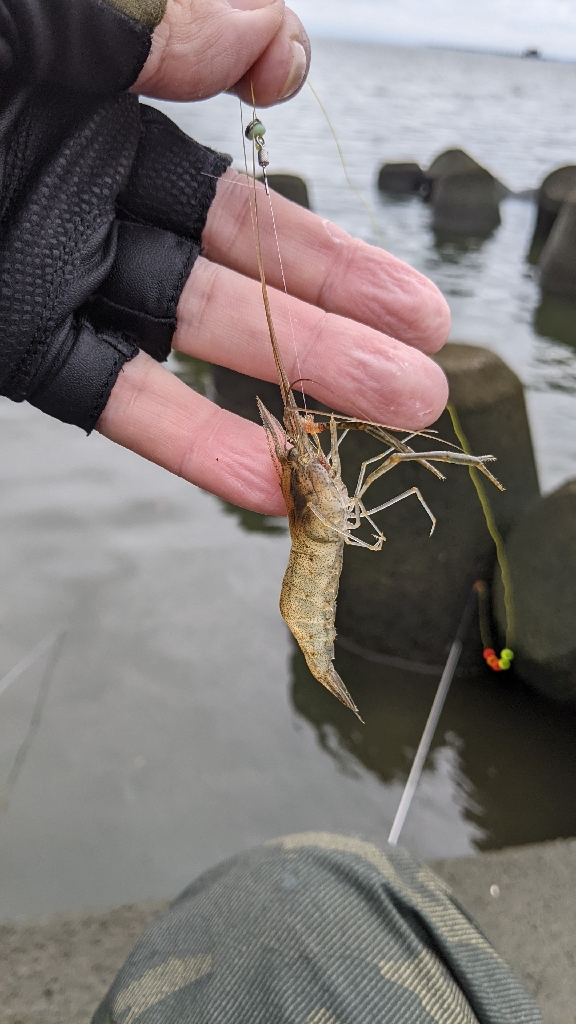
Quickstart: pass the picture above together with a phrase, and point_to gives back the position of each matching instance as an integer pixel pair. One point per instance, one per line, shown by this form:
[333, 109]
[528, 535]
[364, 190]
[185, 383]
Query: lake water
[180, 724]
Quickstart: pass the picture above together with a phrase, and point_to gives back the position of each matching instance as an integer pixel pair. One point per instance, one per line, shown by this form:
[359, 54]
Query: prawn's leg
[399, 497]
[383, 434]
[361, 513]
[455, 458]
[363, 467]
[334, 453]
[356, 507]
[348, 537]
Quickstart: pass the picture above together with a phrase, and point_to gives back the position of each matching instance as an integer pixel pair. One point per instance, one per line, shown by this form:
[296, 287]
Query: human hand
[363, 322]
[203, 47]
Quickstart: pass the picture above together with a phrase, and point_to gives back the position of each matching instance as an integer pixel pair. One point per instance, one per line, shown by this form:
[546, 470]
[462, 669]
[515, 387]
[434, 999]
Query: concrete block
[541, 550]
[401, 178]
[555, 317]
[558, 257]
[553, 191]
[452, 161]
[292, 187]
[466, 204]
[407, 600]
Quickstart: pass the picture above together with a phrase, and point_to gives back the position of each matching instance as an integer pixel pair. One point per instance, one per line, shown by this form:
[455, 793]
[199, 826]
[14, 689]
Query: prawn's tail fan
[275, 436]
[332, 681]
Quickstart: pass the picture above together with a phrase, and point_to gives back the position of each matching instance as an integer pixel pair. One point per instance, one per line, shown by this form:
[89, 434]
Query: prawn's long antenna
[287, 396]
[263, 161]
[300, 377]
[283, 379]
[254, 131]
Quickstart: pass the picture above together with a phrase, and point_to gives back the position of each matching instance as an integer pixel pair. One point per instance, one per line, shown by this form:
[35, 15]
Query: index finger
[325, 266]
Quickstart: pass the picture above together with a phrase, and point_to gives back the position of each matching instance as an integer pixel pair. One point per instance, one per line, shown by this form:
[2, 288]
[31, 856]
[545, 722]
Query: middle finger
[347, 365]
[324, 265]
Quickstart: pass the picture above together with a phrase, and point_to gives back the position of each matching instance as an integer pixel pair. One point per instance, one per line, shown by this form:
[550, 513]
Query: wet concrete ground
[58, 968]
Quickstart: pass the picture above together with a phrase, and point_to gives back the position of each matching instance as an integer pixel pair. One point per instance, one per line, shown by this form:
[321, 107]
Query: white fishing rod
[431, 724]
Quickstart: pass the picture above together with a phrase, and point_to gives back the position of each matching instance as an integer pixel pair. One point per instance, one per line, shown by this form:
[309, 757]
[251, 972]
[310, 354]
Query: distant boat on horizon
[533, 54]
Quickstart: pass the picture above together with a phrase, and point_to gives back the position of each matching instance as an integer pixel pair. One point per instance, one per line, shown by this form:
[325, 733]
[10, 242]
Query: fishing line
[256, 125]
[349, 181]
[252, 197]
[28, 660]
[432, 722]
[300, 379]
[218, 177]
[54, 645]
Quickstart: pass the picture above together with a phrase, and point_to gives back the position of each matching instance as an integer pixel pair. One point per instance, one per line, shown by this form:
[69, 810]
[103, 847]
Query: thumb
[203, 47]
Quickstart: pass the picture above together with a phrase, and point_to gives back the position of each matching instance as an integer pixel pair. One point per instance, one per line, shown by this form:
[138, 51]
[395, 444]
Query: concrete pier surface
[524, 899]
[56, 969]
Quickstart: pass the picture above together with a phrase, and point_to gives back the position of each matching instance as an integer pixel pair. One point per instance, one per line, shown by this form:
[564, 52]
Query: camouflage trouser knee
[316, 929]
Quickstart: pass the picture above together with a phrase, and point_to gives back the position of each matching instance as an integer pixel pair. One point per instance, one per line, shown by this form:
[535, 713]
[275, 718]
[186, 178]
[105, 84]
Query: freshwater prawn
[322, 516]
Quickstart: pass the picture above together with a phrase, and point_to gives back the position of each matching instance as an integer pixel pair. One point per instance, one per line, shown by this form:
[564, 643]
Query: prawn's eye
[292, 455]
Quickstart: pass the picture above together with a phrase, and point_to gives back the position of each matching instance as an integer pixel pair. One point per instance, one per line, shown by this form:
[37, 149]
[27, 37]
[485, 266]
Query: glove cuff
[77, 386]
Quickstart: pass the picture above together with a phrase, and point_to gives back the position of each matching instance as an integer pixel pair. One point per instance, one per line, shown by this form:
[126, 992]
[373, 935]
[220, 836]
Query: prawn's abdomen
[308, 605]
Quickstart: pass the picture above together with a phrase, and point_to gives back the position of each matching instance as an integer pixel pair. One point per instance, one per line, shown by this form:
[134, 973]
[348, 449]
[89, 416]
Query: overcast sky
[548, 25]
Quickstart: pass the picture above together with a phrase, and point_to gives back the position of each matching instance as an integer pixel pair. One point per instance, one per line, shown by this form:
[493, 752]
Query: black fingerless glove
[102, 206]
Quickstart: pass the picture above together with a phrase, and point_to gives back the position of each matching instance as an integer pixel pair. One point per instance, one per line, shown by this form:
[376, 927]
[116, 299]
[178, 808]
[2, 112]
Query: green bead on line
[255, 130]
[505, 659]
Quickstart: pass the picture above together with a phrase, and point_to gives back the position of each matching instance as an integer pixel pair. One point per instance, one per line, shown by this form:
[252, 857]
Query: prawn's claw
[489, 458]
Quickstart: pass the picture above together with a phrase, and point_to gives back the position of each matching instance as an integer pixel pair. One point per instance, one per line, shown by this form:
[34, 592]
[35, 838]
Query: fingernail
[249, 5]
[297, 71]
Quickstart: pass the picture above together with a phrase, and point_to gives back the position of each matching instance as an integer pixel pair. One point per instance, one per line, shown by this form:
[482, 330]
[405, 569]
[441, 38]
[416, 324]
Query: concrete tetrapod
[541, 550]
[401, 178]
[465, 196]
[406, 601]
[553, 191]
[456, 161]
[466, 204]
[558, 259]
[291, 186]
[452, 161]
